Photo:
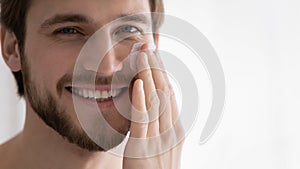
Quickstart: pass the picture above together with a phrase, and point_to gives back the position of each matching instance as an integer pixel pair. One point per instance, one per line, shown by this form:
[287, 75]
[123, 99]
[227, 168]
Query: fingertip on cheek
[149, 46]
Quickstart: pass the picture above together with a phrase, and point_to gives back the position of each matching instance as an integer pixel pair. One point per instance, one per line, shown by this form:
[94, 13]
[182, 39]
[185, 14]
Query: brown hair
[13, 16]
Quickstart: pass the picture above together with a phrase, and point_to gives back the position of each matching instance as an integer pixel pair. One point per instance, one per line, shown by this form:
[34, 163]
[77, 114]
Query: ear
[10, 50]
[156, 39]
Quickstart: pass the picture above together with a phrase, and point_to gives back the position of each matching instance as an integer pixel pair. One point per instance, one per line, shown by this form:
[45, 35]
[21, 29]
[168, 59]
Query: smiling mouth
[98, 95]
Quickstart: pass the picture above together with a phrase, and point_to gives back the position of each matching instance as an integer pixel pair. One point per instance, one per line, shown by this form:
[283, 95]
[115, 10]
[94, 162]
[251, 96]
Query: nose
[109, 64]
[99, 55]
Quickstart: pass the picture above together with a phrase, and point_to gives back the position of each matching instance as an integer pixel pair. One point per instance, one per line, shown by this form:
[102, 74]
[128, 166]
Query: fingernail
[139, 84]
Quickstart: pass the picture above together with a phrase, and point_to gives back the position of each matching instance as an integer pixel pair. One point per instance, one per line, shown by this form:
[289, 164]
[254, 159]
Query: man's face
[55, 34]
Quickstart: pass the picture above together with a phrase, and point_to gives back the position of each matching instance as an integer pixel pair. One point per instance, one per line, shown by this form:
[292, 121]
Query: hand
[156, 134]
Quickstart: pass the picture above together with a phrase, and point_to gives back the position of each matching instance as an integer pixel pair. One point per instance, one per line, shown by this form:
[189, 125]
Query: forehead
[100, 11]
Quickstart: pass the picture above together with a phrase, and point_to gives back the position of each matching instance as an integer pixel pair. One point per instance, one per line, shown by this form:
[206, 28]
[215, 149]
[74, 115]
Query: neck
[39, 146]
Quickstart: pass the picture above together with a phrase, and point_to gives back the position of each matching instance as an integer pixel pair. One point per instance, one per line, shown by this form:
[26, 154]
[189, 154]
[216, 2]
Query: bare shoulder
[6, 153]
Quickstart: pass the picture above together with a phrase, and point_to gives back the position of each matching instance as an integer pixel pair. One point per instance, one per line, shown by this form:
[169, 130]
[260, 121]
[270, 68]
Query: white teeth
[91, 94]
[85, 94]
[80, 92]
[96, 94]
[105, 94]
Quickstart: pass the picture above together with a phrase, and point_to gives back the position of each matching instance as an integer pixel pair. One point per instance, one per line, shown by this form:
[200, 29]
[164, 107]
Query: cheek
[122, 51]
[49, 63]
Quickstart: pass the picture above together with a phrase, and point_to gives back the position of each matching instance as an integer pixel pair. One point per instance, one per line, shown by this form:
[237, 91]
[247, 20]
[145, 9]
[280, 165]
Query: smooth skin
[153, 78]
[51, 56]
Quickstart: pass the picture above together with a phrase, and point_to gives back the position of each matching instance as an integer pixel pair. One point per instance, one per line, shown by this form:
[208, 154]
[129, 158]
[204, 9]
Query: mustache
[89, 78]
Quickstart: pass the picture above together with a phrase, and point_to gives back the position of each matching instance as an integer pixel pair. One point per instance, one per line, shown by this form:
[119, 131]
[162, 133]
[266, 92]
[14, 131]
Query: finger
[171, 93]
[175, 114]
[145, 74]
[169, 118]
[161, 83]
[165, 119]
[153, 126]
[152, 100]
[138, 129]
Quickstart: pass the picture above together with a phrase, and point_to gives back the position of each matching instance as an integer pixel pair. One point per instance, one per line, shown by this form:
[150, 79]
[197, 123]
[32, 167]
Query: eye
[68, 31]
[128, 29]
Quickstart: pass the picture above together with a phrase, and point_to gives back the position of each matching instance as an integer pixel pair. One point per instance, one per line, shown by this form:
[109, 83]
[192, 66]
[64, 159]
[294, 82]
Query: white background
[257, 42]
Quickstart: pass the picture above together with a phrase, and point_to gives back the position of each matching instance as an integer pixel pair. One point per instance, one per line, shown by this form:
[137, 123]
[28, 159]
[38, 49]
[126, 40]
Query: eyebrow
[78, 18]
[62, 18]
[140, 18]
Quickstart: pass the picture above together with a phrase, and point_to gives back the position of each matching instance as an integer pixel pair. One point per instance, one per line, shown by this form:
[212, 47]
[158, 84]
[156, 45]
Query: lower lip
[101, 104]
